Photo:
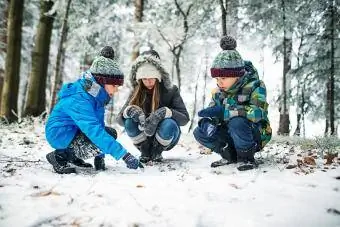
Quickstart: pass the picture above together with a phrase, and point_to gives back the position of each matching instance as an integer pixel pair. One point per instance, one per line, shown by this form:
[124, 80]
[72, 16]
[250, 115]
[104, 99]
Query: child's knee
[130, 125]
[236, 123]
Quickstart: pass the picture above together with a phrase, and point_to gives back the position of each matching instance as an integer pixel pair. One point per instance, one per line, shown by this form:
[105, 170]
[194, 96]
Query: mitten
[207, 126]
[134, 112]
[214, 111]
[153, 120]
[131, 161]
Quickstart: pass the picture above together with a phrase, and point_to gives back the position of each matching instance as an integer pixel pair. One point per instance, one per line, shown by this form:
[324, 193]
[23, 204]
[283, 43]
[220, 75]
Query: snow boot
[246, 164]
[246, 160]
[59, 160]
[228, 154]
[144, 148]
[156, 151]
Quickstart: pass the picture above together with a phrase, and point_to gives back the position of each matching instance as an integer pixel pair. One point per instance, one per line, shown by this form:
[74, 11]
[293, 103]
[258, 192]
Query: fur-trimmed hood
[155, 62]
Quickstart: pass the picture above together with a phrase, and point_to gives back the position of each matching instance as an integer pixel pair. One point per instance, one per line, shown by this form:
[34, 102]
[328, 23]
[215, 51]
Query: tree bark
[224, 16]
[36, 97]
[287, 50]
[332, 71]
[56, 84]
[139, 7]
[10, 90]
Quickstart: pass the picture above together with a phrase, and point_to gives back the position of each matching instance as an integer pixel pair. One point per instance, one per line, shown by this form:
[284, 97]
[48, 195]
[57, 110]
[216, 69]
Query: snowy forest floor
[297, 185]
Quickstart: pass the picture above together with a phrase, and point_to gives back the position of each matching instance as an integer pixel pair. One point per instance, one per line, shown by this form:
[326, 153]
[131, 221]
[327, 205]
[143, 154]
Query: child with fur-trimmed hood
[235, 125]
[76, 128]
[154, 111]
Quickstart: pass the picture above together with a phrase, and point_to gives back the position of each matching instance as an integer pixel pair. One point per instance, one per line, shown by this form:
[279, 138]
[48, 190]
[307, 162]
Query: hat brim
[113, 80]
[227, 72]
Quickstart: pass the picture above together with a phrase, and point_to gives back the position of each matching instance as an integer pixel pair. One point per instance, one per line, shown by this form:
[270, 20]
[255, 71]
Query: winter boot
[72, 158]
[144, 148]
[246, 164]
[156, 151]
[228, 154]
[59, 160]
[246, 160]
[99, 163]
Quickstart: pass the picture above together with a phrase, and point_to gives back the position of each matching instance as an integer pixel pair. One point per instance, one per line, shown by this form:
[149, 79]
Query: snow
[182, 191]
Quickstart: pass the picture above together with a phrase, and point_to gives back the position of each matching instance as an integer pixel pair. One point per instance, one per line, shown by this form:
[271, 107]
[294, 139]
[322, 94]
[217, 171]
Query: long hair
[139, 95]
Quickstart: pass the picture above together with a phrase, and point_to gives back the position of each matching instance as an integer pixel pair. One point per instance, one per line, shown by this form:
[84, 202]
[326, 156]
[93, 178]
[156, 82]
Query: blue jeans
[239, 133]
[167, 133]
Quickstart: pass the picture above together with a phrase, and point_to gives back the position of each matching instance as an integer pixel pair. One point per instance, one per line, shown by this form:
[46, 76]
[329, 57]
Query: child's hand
[153, 120]
[131, 161]
[207, 126]
[215, 111]
[134, 112]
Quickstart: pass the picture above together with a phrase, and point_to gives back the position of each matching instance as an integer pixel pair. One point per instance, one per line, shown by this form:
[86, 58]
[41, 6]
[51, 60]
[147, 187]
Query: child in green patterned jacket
[235, 125]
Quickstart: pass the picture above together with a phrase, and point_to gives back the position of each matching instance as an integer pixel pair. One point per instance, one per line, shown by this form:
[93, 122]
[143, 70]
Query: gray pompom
[228, 43]
[107, 52]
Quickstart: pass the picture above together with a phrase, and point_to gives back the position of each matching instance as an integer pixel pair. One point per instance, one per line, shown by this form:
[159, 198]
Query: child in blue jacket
[76, 127]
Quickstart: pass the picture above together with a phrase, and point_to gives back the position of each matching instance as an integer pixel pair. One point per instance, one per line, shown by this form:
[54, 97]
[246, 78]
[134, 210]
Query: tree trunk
[3, 27]
[10, 88]
[56, 84]
[1, 84]
[287, 50]
[232, 17]
[332, 71]
[224, 16]
[195, 105]
[36, 100]
[139, 7]
[177, 54]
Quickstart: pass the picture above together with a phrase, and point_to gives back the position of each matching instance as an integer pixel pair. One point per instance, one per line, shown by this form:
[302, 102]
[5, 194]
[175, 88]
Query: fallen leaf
[45, 193]
[330, 158]
[309, 161]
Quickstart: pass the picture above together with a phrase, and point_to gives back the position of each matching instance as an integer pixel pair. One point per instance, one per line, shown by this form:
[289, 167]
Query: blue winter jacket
[80, 106]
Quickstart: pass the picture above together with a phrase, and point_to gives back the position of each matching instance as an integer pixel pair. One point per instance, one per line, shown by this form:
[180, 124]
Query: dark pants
[239, 133]
[82, 146]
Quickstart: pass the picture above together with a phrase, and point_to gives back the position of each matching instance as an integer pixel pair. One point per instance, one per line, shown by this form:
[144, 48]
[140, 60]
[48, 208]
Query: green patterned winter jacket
[246, 98]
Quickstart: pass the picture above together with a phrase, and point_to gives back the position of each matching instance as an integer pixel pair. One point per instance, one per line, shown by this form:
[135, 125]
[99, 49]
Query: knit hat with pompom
[105, 69]
[228, 63]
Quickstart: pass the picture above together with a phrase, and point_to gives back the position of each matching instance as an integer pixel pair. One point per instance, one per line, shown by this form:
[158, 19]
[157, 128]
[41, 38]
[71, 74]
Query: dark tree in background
[36, 101]
[9, 97]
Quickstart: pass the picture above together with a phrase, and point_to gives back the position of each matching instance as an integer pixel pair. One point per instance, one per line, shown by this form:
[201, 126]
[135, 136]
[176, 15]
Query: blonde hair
[139, 95]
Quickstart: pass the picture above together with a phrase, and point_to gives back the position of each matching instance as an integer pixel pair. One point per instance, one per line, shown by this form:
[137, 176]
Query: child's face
[226, 82]
[111, 89]
[149, 83]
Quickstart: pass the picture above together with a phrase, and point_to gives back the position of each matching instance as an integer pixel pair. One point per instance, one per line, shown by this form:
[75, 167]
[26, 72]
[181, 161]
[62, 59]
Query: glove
[214, 111]
[99, 163]
[131, 161]
[207, 126]
[153, 120]
[134, 112]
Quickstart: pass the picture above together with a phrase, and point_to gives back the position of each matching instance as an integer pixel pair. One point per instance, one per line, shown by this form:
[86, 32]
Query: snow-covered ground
[182, 191]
